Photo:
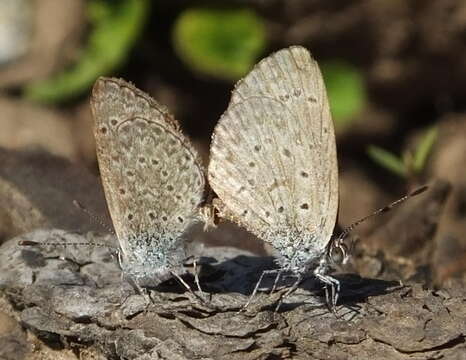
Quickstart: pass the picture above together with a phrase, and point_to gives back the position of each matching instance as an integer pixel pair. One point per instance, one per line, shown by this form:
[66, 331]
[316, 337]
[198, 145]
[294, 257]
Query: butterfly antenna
[95, 218]
[347, 230]
[37, 243]
[65, 244]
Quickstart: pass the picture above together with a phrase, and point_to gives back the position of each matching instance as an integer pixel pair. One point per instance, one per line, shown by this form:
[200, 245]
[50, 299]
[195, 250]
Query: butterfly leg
[187, 287]
[335, 291]
[332, 295]
[196, 277]
[295, 285]
[120, 259]
[139, 290]
[256, 288]
[134, 284]
[275, 283]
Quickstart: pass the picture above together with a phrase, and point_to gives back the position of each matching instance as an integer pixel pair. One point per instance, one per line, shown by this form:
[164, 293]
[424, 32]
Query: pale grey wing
[151, 174]
[281, 107]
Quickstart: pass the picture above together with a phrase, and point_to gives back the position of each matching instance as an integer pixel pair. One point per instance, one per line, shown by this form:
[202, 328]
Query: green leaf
[219, 42]
[424, 148]
[387, 160]
[408, 159]
[346, 91]
[115, 27]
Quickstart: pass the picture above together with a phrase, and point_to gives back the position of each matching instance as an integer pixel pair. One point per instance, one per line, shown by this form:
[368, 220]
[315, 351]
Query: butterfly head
[337, 252]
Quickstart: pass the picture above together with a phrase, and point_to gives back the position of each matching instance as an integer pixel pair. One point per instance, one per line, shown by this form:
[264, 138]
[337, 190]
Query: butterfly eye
[338, 253]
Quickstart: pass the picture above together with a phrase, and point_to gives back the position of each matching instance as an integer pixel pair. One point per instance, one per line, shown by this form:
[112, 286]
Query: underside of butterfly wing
[273, 155]
[151, 174]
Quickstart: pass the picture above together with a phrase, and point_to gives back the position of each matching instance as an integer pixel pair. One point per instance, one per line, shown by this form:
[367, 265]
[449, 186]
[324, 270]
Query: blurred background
[395, 72]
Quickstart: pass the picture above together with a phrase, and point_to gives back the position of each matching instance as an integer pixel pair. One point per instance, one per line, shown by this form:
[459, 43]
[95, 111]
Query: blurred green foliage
[115, 26]
[424, 148]
[411, 163]
[346, 92]
[388, 160]
[219, 42]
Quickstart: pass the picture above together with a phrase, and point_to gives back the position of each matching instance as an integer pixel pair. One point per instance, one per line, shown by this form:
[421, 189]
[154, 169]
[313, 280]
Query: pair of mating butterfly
[273, 166]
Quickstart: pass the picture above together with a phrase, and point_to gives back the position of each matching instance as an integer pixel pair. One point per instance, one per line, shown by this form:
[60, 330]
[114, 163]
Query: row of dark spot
[130, 217]
[296, 93]
[252, 182]
[303, 206]
[286, 151]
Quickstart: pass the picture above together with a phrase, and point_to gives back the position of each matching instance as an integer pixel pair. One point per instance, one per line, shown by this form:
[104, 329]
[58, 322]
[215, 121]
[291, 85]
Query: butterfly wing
[273, 155]
[152, 177]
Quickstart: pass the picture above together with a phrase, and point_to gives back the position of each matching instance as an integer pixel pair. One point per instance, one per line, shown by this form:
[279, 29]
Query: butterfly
[153, 179]
[273, 166]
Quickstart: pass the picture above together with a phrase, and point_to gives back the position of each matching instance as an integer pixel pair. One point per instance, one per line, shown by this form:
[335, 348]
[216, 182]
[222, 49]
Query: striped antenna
[93, 217]
[386, 208]
[36, 243]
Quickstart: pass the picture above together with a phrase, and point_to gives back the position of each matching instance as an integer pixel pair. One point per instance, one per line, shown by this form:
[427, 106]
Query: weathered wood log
[73, 297]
